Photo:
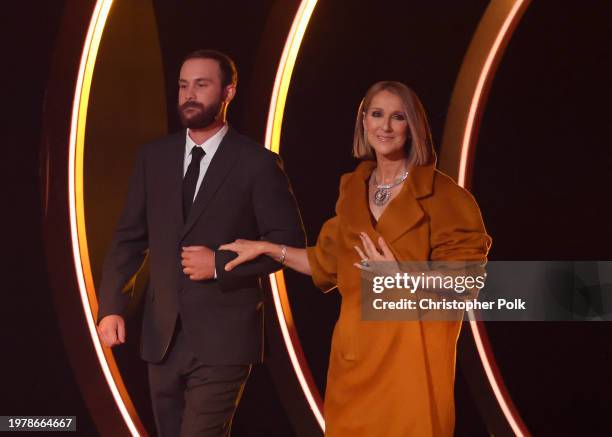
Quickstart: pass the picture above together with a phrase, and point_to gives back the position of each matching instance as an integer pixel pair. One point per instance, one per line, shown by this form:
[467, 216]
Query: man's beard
[201, 119]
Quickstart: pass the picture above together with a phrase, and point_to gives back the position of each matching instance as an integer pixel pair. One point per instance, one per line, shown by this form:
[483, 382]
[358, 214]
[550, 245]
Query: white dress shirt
[210, 147]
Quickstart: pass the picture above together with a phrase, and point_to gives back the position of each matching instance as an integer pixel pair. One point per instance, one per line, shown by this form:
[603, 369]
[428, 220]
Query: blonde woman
[392, 378]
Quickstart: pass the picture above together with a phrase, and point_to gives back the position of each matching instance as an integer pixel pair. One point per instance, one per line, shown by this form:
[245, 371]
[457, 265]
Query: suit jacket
[244, 194]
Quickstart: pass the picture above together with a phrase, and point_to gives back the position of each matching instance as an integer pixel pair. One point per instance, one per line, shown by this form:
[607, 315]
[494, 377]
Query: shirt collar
[210, 146]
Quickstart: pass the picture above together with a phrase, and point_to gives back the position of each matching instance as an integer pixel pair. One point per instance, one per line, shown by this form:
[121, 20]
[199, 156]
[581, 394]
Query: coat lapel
[404, 211]
[219, 167]
[353, 206]
[401, 215]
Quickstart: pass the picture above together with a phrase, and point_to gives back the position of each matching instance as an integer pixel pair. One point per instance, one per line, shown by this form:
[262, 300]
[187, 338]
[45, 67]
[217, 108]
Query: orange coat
[394, 378]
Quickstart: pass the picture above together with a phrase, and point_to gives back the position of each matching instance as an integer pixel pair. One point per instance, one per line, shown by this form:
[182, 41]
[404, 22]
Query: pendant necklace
[383, 192]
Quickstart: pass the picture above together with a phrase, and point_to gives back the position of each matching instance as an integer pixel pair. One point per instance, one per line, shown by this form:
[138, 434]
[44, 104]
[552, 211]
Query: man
[189, 193]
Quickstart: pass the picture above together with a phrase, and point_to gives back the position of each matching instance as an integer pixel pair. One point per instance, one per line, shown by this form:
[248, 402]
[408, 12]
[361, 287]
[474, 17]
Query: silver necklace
[383, 192]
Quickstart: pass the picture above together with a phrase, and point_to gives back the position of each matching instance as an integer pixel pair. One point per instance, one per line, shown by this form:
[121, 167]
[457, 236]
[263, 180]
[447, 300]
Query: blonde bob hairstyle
[419, 145]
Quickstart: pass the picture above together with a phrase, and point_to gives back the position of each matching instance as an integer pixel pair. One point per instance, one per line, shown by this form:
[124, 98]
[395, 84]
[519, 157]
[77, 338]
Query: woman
[391, 378]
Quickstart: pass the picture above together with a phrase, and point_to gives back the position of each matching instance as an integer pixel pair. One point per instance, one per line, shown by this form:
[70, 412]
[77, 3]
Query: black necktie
[190, 181]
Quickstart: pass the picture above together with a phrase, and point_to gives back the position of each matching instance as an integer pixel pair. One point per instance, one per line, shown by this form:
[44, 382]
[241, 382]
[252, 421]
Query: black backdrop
[541, 178]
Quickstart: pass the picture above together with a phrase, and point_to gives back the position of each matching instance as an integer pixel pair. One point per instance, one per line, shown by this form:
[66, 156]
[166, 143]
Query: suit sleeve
[278, 220]
[128, 247]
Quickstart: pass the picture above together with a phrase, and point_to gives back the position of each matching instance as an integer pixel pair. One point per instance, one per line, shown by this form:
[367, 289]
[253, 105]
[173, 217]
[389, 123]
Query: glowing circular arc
[483, 77]
[272, 141]
[479, 63]
[77, 212]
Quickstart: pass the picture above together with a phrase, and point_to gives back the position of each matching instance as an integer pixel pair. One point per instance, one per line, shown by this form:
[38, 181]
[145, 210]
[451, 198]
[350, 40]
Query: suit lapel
[175, 163]
[219, 167]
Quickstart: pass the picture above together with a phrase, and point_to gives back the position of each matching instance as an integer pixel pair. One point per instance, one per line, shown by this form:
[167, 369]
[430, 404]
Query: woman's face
[386, 125]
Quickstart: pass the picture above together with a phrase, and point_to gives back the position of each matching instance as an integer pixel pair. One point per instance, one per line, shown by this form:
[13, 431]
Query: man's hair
[229, 74]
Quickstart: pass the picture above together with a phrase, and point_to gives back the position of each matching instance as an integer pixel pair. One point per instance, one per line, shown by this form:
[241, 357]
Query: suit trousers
[190, 398]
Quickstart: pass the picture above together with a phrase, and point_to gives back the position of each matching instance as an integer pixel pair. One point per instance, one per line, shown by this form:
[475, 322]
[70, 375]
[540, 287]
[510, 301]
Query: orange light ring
[484, 78]
[272, 141]
[484, 349]
[77, 215]
[511, 11]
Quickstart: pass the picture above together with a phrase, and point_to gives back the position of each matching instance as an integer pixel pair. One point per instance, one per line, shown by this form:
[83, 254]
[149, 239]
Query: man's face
[200, 95]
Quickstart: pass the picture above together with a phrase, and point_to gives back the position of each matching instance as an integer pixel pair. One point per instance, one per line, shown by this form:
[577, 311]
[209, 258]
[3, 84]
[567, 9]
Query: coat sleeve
[459, 242]
[457, 229]
[323, 257]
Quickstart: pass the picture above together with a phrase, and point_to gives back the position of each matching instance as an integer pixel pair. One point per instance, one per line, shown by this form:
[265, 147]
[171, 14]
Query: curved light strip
[484, 76]
[284, 72]
[273, 133]
[77, 211]
[477, 100]
[492, 375]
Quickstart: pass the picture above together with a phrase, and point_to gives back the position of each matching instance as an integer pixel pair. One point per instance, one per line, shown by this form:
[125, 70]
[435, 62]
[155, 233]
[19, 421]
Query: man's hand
[198, 262]
[111, 330]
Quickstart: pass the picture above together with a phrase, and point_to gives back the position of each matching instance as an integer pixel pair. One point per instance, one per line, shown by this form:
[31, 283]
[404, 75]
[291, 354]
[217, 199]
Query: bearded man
[190, 193]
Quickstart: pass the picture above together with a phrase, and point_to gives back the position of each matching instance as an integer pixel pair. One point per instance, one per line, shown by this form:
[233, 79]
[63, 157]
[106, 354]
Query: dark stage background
[542, 174]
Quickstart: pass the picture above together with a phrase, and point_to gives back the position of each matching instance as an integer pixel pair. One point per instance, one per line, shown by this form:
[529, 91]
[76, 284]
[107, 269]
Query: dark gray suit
[244, 194]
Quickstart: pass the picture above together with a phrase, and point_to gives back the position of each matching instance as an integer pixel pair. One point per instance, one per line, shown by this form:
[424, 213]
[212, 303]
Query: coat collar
[402, 213]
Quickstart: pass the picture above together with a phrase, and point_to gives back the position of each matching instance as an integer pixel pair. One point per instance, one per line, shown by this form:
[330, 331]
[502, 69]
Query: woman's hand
[373, 260]
[246, 250]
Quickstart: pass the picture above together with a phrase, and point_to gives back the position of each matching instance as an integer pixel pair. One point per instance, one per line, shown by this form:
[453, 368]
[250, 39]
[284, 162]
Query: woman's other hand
[374, 260]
